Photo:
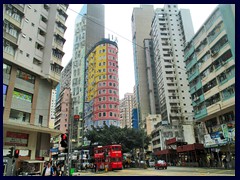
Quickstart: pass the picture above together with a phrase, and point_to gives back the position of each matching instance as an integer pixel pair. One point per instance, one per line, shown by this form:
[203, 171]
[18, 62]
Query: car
[151, 163]
[160, 164]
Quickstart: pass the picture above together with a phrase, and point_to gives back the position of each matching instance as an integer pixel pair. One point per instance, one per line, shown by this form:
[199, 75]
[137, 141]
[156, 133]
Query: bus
[108, 157]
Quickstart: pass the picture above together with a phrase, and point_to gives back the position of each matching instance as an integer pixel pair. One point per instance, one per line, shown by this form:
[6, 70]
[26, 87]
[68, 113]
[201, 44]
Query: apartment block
[141, 16]
[89, 29]
[210, 64]
[126, 107]
[102, 86]
[171, 28]
[33, 39]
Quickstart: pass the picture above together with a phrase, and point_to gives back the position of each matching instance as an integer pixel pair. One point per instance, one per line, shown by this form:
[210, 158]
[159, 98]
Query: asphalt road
[171, 171]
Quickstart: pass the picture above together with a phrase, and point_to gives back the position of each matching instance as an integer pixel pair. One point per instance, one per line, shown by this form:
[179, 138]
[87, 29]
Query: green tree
[129, 138]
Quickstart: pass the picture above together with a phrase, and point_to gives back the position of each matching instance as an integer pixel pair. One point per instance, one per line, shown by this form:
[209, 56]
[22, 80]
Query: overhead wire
[89, 18]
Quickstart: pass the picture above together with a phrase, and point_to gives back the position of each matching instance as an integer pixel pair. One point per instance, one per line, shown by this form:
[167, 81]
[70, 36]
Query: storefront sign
[18, 139]
[225, 131]
[214, 139]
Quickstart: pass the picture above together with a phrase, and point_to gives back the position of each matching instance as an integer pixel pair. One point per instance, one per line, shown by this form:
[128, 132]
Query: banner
[225, 131]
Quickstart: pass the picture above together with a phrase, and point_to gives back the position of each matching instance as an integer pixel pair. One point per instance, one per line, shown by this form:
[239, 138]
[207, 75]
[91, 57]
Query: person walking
[59, 170]
[48, 170]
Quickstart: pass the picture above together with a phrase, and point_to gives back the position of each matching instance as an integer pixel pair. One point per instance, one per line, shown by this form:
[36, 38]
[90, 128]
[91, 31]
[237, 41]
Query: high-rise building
[171, 29]
[33, 38]
[126, 107]
[65, 81]
[140, 16]
[151, 77]
[63, 113]
[210, 64]
[89, 29]
[101, 88]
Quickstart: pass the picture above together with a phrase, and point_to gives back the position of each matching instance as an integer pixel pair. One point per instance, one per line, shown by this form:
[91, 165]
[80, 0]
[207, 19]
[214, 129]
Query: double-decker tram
[108, 157]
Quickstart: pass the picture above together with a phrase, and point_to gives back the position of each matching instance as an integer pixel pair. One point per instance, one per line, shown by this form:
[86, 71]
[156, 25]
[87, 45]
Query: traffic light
[10, 152]
[64, 140]
[16, 153]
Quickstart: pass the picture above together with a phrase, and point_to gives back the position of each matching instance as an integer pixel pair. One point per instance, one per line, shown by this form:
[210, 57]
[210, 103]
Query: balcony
[60, 19]
[193, 75]
[57, 31]
[18, 7]
[8, 56]
[196, 87]
[10, 37]
[198, 100]
[54, 76]
[44, 12]
[56, 60]
[191, 63]
[205, 65]
[39, 53]
[12, 20]
[41, 38]
[200, 114]
[43, 25]
[57, 46]
[189, 52]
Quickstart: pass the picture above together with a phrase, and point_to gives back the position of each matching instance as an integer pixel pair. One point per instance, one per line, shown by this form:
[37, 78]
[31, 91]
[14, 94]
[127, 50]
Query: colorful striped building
[101, 85]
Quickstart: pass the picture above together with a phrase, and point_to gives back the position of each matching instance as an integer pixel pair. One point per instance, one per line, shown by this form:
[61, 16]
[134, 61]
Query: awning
[165, 151]
[33, 161]
[190, 147]
[31, 128]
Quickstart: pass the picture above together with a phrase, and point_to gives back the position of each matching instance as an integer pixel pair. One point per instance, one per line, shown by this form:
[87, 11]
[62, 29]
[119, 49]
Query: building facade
[126, 107]
[33, 36]
[89, 29]
[171, 29]
[151, 77]
[210, 64]
[65, 81]
[140, 16]
[102, 86]
[63, 113]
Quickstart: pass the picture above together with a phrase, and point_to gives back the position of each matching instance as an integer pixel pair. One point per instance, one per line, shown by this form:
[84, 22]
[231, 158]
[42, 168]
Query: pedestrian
[95, 167]
[225, 163]
[48, 170]
[59, 171]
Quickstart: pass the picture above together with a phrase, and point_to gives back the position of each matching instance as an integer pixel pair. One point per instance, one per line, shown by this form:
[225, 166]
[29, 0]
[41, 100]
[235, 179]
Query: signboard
[76, 117]
[18, 139]
[225, 131]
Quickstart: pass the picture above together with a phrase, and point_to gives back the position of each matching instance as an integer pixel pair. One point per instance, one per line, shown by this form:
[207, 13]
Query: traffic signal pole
[13, 162]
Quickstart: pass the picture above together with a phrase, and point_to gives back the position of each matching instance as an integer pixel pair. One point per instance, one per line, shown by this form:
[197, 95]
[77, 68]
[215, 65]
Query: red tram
[108, 157]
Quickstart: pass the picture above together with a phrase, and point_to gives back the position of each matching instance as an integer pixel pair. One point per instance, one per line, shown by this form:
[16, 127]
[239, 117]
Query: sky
[118, 24]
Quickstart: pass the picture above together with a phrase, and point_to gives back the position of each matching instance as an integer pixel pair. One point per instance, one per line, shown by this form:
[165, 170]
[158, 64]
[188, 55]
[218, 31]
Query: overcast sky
[118, 24]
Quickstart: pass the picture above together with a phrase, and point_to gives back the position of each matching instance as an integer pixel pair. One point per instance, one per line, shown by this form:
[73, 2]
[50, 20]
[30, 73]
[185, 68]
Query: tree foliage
[129, 138]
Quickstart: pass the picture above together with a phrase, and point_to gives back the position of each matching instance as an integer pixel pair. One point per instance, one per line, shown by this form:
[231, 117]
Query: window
[19, 94]
[5, 87]
[6, 68]
[25, 76]
[40, 119]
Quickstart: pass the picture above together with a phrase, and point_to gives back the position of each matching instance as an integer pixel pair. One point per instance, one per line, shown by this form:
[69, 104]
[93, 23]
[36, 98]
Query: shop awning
[190, 147]
[31, 128]
[33, 161]
[165, 151]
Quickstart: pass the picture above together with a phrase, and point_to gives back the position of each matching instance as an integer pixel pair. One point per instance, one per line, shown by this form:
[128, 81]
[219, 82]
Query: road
[171, 171]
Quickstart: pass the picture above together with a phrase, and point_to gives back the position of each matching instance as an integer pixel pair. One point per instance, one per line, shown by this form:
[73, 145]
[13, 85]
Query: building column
[34, 101]
[8, 101]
